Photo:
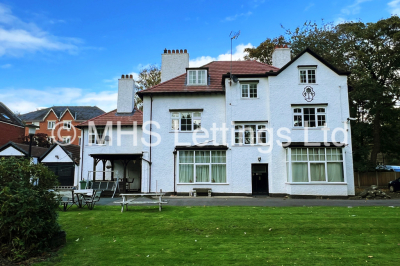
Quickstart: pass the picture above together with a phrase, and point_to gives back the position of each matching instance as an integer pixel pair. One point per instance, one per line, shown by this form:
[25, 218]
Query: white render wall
[162, 157]
[286, 90]
[126, 95]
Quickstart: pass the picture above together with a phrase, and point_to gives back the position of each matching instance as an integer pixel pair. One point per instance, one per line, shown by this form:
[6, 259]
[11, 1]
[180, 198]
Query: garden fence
[380, 179]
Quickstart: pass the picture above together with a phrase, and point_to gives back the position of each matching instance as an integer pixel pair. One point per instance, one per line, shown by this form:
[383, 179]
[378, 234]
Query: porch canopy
[125, 158]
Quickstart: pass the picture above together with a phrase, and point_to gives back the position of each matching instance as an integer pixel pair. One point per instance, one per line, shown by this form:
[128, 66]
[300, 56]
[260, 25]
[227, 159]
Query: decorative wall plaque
[308, 94]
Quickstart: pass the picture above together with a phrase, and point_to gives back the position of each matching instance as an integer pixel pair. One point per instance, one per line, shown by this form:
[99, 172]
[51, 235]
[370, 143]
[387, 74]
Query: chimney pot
[177, 51]
[173, 51]
[185, 51]
[181, 51]
[122, 76]
[131, 76]
[169, 51]
[165, 50]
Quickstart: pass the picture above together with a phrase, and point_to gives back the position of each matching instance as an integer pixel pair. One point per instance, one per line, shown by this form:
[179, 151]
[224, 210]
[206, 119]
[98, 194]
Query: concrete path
[264, 201]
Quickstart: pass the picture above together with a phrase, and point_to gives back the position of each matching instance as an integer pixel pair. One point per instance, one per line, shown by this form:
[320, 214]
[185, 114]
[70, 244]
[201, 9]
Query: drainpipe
[174, 172]
[151, 125]
[83, 147]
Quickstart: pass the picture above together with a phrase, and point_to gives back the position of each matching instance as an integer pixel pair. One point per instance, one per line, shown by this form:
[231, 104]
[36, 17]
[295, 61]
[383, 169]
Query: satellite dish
[234, 78]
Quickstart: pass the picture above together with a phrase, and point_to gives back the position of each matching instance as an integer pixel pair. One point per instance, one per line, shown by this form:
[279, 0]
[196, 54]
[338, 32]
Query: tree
[39, 139]
[263, 52]
[28, 209]
[371, 52]
[148, 77]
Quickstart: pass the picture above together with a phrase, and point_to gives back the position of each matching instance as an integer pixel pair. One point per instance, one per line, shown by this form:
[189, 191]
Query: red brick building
[59, 122]
[11, 127]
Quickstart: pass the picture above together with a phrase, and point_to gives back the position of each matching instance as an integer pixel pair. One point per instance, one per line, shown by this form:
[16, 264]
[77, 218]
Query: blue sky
[72, 52]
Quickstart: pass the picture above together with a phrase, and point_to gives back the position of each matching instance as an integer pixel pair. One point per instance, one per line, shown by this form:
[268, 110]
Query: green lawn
[230, 235]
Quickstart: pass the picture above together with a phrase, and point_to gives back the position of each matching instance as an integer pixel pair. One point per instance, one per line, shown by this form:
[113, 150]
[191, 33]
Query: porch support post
[104, 169]
[112, 170]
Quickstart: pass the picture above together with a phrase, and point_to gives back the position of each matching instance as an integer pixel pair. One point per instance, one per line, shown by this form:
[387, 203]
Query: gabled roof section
[216, 70]
[80, 113]
[319, 58]
[36, 152]
[114, 117]
[73, 152]
[7, 116]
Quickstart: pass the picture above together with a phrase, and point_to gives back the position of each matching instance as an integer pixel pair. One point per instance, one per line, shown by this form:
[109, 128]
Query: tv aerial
[233, 36]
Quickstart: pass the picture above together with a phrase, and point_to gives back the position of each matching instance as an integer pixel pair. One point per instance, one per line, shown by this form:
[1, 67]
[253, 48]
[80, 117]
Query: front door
[259, 174]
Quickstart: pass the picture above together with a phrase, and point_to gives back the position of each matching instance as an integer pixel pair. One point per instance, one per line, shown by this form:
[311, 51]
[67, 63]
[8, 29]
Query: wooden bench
[201, 190]
[141, 198]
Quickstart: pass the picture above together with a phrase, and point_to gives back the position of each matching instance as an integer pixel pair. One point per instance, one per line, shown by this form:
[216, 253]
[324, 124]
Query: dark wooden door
[260, 179]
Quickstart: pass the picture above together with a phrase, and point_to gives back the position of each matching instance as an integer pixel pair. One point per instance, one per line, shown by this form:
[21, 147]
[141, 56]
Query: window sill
[309, 128]
[250, 145]
[245, 98]
[316, 183]
[200, 131]
[308, 84]
[197, 184]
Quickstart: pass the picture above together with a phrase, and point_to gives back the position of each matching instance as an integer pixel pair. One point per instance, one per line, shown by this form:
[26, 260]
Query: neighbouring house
[59, 122]
[111, 148]
[235, 128]
[63, 160]
[12, 149]
[11, 127]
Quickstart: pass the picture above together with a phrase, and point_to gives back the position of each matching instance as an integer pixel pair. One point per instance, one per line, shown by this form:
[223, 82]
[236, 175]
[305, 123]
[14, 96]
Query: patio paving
[265, 201]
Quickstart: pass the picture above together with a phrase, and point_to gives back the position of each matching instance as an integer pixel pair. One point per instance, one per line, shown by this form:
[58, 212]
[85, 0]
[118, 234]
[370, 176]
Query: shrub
[28, 217]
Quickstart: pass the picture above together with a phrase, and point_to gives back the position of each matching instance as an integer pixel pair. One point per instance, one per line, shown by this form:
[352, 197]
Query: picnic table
[141, 198]
[81, 194]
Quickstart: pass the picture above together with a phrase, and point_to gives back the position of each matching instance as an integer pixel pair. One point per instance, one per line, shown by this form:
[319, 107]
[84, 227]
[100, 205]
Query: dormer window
[307, 74]
[197, 77]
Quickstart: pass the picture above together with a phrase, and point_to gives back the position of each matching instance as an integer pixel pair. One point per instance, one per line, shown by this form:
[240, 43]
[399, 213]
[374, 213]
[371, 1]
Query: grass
[230, 235]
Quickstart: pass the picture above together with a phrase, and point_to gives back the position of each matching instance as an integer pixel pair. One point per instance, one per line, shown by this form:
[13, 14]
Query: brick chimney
[173, 63]
[126, 94]
[280, 56]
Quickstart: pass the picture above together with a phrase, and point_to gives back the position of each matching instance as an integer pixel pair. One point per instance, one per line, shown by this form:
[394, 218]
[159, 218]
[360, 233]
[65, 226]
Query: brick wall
[10, 133]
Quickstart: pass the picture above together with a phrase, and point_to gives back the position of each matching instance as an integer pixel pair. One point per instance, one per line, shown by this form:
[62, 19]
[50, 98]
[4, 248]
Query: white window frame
[317, 113]
[66, 139]
[79, 141]
[52, 122]
[248, 94]
[94, 138]
[209, 164]
[260, 130]
[289, 163]
[197, 79]
[195, 115]
[68, 123]
[307, 70]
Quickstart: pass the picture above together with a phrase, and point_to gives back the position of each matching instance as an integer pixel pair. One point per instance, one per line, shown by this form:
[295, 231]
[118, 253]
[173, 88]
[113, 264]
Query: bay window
[202, 166]
[314, 165]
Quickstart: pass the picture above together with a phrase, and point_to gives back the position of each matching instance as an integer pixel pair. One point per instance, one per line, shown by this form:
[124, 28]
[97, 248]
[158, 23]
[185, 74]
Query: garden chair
[90, 200]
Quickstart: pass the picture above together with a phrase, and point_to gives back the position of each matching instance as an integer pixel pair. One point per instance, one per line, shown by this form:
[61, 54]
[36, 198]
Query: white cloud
[310, 5]
[238, 54]
[6, 66]
[33, 98]
[353, 8]
[18, 37]
[232, 18]
[394, 7]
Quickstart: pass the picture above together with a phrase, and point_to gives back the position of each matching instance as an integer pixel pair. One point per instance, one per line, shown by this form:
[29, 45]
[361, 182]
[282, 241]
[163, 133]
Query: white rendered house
[280, 130]
[237, 128]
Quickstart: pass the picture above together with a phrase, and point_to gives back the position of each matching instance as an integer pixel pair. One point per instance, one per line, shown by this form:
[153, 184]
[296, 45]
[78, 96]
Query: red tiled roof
[125, 119]
[215, 70]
